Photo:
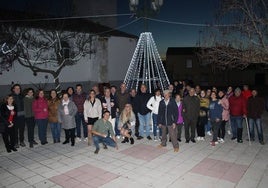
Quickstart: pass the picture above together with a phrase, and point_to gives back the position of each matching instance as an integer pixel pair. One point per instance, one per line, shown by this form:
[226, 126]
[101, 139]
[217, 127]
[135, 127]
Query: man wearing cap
[167, 119]
[103, 132]
[238, 111]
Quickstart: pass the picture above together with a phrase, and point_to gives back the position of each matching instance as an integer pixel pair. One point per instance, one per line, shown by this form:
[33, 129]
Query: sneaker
[221, 140]
[176, 149]
[22, 144]
[202, 138]
[13, 149]
[125, 140]
[262, 142]
[198, 138]
[78, 139]
[65, 142]
[31, 145]
[179, 139]
[155, 138]
[193, 140]
[212, 143]
[149, 138]
[140, 137]
[85, 139]
[229, 132]
[209, 133]
[35, 143]
[239, 141]
[16, 146]
[233, 138]
[118, 137]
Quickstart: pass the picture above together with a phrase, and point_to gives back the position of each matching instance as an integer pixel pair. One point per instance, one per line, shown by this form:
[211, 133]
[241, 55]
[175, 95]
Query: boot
[131, 140]
[125, 140]
[239, 135]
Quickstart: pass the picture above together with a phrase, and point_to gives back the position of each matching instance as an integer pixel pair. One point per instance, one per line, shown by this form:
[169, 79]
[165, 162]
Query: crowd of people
[115, 114]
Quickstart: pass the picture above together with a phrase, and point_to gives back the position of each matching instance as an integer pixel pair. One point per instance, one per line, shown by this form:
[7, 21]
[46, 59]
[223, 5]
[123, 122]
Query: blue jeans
[155, 125]
[208, 126]
[55, 130]
[106, 140]
[79, 119]
[42, 129]
[258, 124]
[236, 123]
[116, 130]
[144, 122]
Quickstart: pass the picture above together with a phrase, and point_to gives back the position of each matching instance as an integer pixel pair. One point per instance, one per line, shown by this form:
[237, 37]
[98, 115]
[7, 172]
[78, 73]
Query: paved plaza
[196, 165]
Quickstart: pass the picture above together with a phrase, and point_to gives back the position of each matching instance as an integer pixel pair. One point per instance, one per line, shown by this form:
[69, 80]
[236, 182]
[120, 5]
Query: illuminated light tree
[146, 66]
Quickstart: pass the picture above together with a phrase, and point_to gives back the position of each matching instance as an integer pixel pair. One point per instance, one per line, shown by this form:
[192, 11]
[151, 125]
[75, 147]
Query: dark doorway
[260, 79]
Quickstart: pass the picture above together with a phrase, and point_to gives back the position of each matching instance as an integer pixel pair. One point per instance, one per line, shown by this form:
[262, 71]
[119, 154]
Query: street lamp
[154, 4]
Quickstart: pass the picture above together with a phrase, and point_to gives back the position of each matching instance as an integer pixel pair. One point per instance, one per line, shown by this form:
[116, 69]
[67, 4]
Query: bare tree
[239, 36]
[45, 50]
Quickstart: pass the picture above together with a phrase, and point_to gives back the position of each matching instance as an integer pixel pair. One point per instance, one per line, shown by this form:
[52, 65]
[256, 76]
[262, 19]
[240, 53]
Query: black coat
[167, 114]
[4, 114]
[113, 109]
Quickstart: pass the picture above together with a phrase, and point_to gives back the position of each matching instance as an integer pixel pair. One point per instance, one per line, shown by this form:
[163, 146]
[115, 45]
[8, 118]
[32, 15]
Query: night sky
[171, 35]
[165, 35]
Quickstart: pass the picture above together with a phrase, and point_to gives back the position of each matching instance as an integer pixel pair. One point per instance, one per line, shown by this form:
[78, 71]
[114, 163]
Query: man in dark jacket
[19, 123]
[191, 106]
[167, 119]
[255, 107]
[144, 114]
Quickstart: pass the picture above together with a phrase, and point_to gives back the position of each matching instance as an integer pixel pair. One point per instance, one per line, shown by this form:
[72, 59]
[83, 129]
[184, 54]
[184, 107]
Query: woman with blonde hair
[127, 122]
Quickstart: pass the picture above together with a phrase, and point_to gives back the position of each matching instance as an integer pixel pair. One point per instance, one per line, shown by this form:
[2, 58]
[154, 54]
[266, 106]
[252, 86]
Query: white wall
[120, 52]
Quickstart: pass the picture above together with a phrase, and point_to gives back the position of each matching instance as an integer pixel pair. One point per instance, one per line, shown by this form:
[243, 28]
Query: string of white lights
[191, 24]
[64, 18]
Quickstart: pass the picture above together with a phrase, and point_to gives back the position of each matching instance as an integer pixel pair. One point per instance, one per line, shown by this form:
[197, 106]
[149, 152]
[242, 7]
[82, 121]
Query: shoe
[118, 137]
[262, 142]
[58, 141]
[149, 138]
[22, 144]
[65, 142]
[176, 149]
[160, 146]
[85, 139]
[198, 138]
[160, 138]
[105, 146]
[221, 140]
[169, 140]
[8, 150]
[16, 146]
[212, 143]
[229, 132]
[31, 145]
[35, 143]
[131, 140]
[187, 141]
[44, 143]
[96, 151]
[179, 139]
[202, 138]
[233, 138]
[125, 140]
[155, 138]
[140, 137]
[72, 144]
[193, 140]
[209, 133]
[78, 139]
[13, 149]
[239, 141]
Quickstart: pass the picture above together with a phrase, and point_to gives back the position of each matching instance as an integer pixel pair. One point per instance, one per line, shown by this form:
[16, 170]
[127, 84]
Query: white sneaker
[78, 139]
[221, 140]
[155, 138]
[202, 138]
[209, 133]
[198, 138]
[118, 137]
[85, 139]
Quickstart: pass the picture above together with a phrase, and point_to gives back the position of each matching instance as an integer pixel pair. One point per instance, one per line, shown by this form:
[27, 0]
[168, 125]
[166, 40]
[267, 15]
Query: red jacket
[237, 105]
[40, 108]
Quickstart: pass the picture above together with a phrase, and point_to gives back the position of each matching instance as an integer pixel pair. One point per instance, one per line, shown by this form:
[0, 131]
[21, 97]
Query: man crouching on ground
[103, 132]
